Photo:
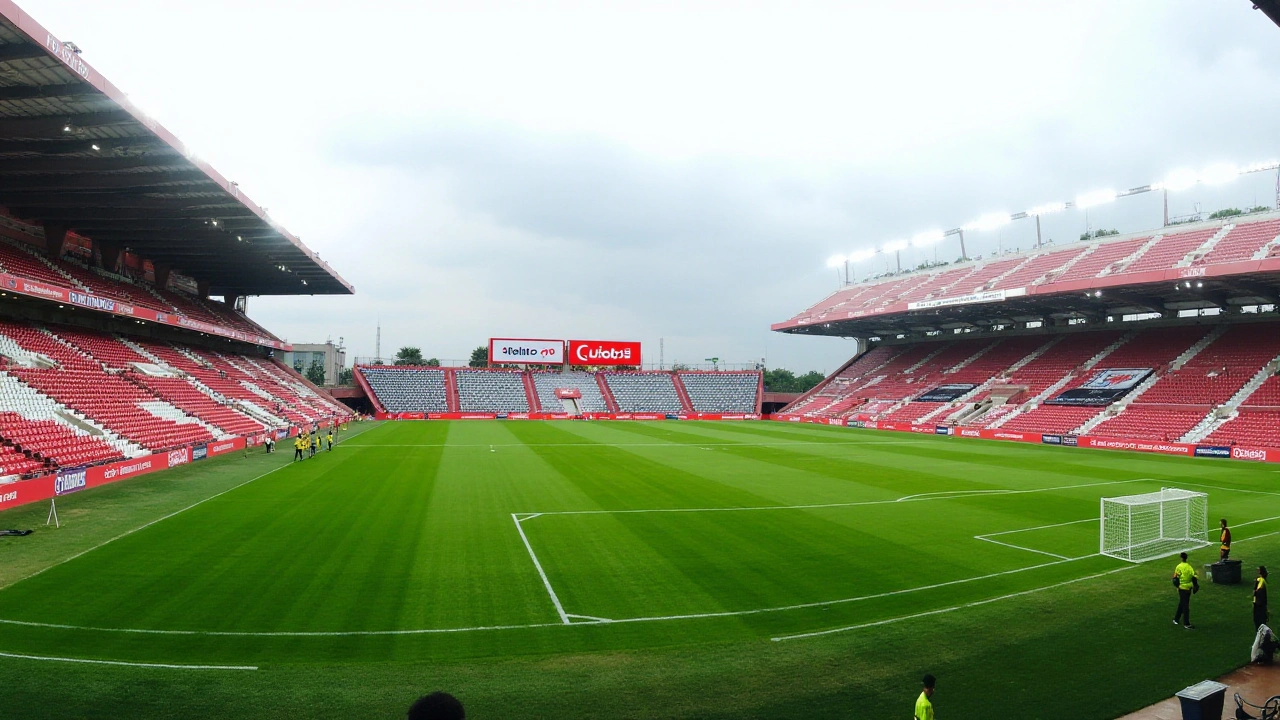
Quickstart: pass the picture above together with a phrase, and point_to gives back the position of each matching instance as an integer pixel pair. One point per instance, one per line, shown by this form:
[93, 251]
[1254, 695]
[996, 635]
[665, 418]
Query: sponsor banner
[836, 421]
[526, 352]
[855, 424]
[1259, 454]
[941, 430]
[1215, 451]
[181, 456]
[1165, 448]
[112, 306]
[199, 452]
[500, 416]
[604, 352]
[69, 481]
[946, 393]
[1070, 440]
[222, 447]
[568, 393]
[1051, 439]
[969, 432]
[972, 298]
[1104, 388]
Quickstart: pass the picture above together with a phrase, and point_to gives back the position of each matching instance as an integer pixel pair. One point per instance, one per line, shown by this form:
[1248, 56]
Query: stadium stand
[495, 391]
[644, 392]
[547, 383]
[728, 392]
[408, 389]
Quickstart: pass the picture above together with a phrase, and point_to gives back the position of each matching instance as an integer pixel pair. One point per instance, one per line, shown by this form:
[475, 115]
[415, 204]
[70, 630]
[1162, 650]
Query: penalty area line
[940, 611]
[121, 663]
[564, 617]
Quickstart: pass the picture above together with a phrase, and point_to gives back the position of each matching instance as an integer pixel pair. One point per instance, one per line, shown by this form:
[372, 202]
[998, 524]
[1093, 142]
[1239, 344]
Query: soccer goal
[1154, 525]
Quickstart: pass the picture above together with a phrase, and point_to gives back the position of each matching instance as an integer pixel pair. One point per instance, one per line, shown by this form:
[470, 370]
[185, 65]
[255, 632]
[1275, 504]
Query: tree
[479, 357]
[409, 356]
[1260, 208]
[1225, 213]
[809, 381]
[785, 381]
[346, 376]
[315, 373]
[432, 362]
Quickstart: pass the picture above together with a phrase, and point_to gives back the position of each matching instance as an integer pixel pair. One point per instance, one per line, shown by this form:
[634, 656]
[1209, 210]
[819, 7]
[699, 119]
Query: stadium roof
[920, 304]
[75, 153]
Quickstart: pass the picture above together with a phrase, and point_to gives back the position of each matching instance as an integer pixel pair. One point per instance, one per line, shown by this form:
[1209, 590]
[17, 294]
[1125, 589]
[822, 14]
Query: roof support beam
[111, 200]
[29, 92]
[89, 164]
[54, 126]
[77, 146]
[118, 181]
[21, 51]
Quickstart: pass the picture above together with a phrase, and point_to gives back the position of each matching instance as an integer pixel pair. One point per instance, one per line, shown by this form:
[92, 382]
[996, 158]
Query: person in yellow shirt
[1260, 597]
[1225, 547]
[1184, 577]
[924, 703]
[329, 439]
[297, 447]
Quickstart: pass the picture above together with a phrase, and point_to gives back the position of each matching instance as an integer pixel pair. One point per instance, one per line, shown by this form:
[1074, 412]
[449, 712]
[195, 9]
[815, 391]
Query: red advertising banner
[33, 288]
[604, 352]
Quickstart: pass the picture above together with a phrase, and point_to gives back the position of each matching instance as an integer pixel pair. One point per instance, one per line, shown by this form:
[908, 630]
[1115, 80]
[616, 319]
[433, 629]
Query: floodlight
[990, 221]
[927, 238]
[1219, 173]
[895, 246]
[1097, 197]
[1179, 180]
[1047, 208]
[95, 147]
[835, 261]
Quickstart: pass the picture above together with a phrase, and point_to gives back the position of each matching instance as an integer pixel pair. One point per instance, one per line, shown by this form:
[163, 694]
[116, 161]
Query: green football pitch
[619, 569]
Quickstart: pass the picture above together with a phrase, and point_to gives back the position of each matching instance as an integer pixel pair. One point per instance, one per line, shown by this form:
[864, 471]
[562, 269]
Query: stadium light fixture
[1095, 198]
[1047, 209]
[927, 238]
[1178, 180]
[895, 246]
[1219, 173]
[95, 147]
[990, 221]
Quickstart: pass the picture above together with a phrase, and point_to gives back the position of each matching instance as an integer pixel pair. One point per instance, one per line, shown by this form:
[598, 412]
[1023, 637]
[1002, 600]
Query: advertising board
[604, 352]
[526, 351]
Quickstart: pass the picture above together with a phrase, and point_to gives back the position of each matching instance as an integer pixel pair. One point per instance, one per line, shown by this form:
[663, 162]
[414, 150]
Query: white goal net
[1154, 525]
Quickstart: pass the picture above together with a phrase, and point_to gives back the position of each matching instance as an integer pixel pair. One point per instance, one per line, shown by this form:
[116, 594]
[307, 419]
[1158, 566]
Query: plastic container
[1203, 701]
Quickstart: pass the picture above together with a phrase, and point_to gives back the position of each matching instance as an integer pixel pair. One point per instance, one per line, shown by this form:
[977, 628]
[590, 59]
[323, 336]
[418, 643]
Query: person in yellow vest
[297, 447]
[924, 703]
[329, 438]
[1225, 542]
[1260, 597]
[1184, 578]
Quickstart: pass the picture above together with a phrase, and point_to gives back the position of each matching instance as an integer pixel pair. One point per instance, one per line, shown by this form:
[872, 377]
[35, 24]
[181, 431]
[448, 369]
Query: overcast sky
[674, 170]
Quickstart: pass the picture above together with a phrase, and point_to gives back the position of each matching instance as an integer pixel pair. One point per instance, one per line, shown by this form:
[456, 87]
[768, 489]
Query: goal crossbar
[1137, 528]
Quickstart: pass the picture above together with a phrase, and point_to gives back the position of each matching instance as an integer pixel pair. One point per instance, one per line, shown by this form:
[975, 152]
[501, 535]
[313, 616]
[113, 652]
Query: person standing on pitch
[924, 703]
[1260, 597]
[297, 447]
[1184, 578]
[329, 439]
[1226, 542]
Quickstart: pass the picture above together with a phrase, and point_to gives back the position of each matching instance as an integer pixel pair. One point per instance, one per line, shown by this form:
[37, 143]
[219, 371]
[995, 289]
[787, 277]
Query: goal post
[1153, 525]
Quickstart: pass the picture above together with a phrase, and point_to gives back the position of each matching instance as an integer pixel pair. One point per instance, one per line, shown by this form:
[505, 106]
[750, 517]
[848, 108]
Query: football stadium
[992, 488]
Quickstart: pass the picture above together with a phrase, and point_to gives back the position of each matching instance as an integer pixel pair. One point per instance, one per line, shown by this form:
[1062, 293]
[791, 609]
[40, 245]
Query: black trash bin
[1203, 701]
[1224, 573]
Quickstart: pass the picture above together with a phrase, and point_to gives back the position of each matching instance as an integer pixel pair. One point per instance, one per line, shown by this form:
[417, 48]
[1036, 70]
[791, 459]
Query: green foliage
[346, 376]
[1225, 213]
[1100, 233]
[315, 373]
[409, 356]
[432, 362]
[479, 357]
[785, 381]
[1260, 208]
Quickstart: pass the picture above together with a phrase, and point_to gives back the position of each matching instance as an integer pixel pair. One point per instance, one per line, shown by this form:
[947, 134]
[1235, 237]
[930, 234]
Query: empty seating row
[722, 392]
[408, 389]
[644, 392]
[585, 383]
[495, 391]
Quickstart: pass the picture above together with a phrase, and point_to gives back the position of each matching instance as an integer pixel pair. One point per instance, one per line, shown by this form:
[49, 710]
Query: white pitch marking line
[1038, 527]
[128, 664]
[859, 503]
[660, 618]
[541, 573]
[592, 618]
[1018, 547]
[1227, 489]
[906, 498]
[949, 609]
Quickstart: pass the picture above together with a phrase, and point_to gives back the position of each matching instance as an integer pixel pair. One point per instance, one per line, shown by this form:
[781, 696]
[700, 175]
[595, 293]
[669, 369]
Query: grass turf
[398, 564]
